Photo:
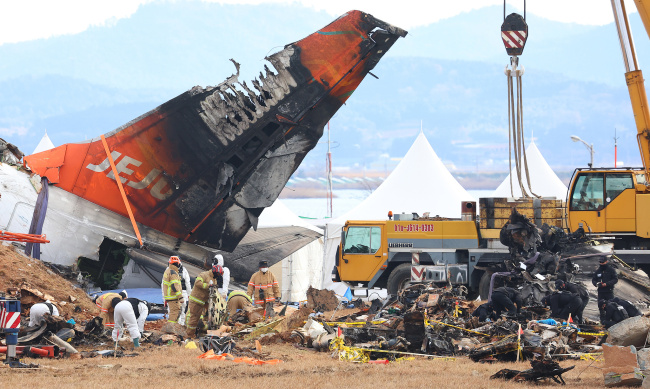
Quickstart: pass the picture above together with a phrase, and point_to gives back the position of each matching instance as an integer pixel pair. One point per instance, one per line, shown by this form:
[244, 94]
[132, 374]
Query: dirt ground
[175, 366]
[17, 270]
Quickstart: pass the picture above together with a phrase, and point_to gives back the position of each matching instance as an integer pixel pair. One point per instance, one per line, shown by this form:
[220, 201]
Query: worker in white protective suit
[130, 314]
[38, 310]
[218, 260]
[186, 288]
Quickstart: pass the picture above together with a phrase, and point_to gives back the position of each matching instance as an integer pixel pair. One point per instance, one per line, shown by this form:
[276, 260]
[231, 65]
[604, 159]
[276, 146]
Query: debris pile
[36, 282]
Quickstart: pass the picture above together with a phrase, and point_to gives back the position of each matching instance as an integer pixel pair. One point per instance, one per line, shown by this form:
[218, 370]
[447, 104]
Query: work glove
[211, 282]
[181, 300]
[136, 342]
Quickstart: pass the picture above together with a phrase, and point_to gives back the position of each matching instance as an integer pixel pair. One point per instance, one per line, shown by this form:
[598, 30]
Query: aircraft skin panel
[202, 166]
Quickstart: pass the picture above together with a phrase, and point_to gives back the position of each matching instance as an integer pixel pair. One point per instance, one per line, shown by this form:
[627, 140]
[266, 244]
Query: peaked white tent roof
[279, 215]
[544, 181]
[420, 183]
[44, 144]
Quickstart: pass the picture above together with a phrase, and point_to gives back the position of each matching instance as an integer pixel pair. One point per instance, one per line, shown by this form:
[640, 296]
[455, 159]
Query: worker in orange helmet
[172, 289]
[199, 296]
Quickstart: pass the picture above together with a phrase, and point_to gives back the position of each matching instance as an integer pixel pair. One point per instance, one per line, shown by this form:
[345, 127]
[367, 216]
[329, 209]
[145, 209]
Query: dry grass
[174, 366]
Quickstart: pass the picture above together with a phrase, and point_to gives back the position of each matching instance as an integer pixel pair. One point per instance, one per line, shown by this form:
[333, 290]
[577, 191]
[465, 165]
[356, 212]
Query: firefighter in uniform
[106, 310]
[264, 288]
[186, 284]
[172, 289]
[199, 296]
[238, 299]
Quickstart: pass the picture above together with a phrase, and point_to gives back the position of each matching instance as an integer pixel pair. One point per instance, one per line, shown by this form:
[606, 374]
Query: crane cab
[609, 201]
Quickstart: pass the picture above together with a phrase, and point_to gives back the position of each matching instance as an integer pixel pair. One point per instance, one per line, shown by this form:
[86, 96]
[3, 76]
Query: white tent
[544, 181]
[302, 269]
[44, 144]
[420, 183]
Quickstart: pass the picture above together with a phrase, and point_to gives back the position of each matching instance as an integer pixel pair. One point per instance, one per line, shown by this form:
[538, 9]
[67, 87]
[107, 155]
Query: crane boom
[634, 76]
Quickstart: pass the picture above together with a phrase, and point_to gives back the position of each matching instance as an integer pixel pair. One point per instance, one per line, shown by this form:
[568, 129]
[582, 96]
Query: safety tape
[591, 357]
[623, 262]
[362, 355]
[353, 324]
[592, 333]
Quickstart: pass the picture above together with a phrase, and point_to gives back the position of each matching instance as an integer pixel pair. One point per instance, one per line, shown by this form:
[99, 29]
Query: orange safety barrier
[229, 357]
[27, 238]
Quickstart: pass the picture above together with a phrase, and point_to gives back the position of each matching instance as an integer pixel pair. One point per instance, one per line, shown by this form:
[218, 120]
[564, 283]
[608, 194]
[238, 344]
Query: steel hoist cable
[516, 139]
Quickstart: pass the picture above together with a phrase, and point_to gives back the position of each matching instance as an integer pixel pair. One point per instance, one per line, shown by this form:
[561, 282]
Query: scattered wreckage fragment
[541, 369]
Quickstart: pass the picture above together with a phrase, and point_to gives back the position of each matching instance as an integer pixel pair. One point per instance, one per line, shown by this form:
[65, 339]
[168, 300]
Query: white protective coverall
[187, 288]
[226, 276]
[38, 310]
[126, 317]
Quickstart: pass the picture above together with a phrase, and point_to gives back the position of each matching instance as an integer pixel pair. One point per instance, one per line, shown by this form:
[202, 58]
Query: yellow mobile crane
[615, 202]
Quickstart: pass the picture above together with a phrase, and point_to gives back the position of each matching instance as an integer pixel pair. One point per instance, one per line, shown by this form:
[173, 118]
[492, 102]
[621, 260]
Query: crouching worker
[630, 308]
[504, 299]
[563, 304]
[611, 313]
[576, 289]
[484, 312]
[131, 314]
[106, 309]
[199, 296]
[237, 300]
[38, 310]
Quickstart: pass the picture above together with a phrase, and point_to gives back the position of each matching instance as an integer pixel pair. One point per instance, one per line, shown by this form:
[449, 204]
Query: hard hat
[217, 269]
[219, 259]
[174, 260]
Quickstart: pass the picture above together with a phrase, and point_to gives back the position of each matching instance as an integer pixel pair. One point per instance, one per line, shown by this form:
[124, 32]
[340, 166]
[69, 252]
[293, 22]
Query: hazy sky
[33, 19]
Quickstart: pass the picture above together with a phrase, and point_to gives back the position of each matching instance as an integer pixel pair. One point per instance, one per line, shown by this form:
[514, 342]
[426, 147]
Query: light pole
[587, 145]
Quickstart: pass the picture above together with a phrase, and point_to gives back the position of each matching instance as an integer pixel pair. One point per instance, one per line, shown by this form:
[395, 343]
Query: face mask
[264, 269]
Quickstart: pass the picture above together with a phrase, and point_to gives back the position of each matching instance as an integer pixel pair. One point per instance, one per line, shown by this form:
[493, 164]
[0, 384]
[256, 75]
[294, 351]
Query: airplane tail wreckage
[200, 168]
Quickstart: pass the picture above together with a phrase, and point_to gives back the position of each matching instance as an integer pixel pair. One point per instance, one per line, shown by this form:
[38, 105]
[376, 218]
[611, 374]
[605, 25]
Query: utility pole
[330, 193]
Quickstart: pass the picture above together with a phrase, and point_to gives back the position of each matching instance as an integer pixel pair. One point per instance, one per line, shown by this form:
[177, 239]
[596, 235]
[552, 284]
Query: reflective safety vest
[239, 293]
[173, 289]
[104, 301]
[201, 291]
[266, 283]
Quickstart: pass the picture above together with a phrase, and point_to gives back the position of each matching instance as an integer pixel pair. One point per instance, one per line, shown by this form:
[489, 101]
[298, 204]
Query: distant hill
[449, 75]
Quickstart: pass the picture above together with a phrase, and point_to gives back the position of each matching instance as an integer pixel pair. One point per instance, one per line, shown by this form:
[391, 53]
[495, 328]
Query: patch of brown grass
[174, 366]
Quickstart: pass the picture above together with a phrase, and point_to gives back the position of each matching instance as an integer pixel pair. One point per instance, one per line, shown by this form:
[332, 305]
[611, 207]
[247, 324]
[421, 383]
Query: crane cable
[516, 131]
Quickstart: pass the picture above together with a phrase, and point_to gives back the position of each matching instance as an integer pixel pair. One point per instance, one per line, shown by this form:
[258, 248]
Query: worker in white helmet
[218, 260]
